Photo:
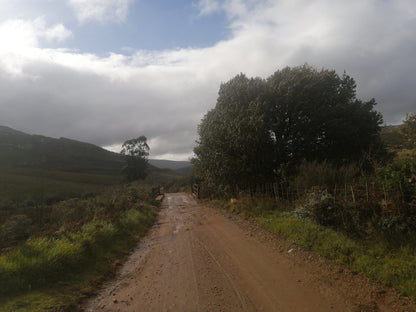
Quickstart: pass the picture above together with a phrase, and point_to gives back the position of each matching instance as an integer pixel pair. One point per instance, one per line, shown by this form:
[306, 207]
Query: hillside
[181, 166]
[22, 150]
[19, 149]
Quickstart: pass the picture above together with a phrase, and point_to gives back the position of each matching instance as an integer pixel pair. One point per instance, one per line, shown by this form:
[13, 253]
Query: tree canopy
[262, 127]
[136, 152]
[234, 140]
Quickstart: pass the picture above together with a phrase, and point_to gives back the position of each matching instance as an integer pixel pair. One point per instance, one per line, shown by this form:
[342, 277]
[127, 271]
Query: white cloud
[20, 41]
[100, 10]
[58, 32]
[18, 34]
[207, 7]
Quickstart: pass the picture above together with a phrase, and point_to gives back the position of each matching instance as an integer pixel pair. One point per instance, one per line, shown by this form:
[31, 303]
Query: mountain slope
[19, 149]
[22, 150]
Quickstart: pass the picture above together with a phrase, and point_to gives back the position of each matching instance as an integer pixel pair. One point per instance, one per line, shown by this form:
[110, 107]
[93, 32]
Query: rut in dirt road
[196, 259]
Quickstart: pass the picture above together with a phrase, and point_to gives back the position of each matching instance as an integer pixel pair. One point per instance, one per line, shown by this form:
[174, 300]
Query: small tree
[136, 152]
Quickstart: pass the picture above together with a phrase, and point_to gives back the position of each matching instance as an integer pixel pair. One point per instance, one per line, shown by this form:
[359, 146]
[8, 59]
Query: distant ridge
[19, 149]
[169, 164]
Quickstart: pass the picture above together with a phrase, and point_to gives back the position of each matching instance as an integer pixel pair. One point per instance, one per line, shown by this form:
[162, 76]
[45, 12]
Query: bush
[323, 174]
[360, 219]
[318, 206]
[17, 227]
[400, 176]
[69, 211]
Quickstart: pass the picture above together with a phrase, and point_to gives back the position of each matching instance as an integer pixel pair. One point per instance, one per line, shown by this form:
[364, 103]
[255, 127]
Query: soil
[197, 258]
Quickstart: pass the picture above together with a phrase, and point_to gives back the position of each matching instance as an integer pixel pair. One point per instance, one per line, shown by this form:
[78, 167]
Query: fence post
[276, 194]
[345, 192]
[195, 190]
[352, 193]
[401, 191]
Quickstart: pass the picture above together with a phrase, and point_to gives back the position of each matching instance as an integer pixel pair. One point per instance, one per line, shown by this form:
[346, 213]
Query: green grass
[20, 187]
[377, 259]
[395, 268]
[53, 271]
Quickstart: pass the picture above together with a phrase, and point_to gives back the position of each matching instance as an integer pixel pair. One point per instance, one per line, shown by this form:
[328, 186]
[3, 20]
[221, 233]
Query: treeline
[305, 131]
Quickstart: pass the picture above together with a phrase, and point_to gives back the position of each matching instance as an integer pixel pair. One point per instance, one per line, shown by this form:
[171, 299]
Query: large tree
[315, 115]
[136, 152]
[234, 140]
[261, 128]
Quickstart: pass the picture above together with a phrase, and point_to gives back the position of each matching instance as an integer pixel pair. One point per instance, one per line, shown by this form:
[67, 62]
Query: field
[27, 187]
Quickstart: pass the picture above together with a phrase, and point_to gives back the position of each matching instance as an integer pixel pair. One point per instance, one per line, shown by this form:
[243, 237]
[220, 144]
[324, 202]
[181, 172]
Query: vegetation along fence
[363, 192]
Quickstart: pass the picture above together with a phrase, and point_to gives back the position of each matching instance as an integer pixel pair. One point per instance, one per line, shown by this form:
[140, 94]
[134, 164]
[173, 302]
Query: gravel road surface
[197, 259]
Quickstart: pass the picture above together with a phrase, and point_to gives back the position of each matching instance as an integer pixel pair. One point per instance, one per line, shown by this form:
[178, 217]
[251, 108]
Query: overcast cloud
[163, 94]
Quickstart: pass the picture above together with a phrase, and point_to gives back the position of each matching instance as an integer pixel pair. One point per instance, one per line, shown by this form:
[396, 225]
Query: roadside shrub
[401, 176]
[318, 206]
[69, 211]
[91, 232]
[7, 204]
[17, 227]
[131, 220]
[359, 219]
[398, 230]
[398, 221]
[323, 174]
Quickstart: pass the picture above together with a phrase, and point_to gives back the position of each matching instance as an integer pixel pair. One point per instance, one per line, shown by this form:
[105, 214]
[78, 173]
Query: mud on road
[197, 259]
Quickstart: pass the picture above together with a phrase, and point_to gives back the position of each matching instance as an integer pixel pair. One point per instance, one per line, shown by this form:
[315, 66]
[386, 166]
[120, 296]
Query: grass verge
[394, 267]
[53, 272]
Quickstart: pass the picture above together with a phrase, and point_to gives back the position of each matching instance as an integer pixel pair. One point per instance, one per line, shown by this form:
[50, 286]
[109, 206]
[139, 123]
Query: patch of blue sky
[152, 25]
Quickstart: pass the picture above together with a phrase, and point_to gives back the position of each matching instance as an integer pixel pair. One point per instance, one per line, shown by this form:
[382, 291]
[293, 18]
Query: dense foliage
[235, 142]
[409, 131]
[260, 129]
[402, 138]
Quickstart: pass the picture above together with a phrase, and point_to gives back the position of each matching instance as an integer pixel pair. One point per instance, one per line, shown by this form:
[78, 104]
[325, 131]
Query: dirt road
[197, 259]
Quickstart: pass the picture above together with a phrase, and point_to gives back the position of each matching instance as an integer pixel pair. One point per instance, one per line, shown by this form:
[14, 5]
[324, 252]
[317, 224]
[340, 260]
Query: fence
[363, 192]
[196, 190]
[158, 190]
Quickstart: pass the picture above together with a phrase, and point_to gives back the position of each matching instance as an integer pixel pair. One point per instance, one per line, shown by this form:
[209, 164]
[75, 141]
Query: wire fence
[358, 193]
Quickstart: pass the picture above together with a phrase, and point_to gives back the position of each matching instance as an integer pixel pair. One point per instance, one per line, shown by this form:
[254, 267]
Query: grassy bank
[53, 270]
[393, 266]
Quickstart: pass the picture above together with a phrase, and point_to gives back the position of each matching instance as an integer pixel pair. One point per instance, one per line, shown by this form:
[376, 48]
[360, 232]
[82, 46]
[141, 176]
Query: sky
[105, 71]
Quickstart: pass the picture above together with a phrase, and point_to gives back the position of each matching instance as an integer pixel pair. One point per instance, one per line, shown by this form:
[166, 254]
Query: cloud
[163, 94]
[20, 41]
[206, 7]
[371, 40]
[104, 100]
[17, 34]
[100, 10]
